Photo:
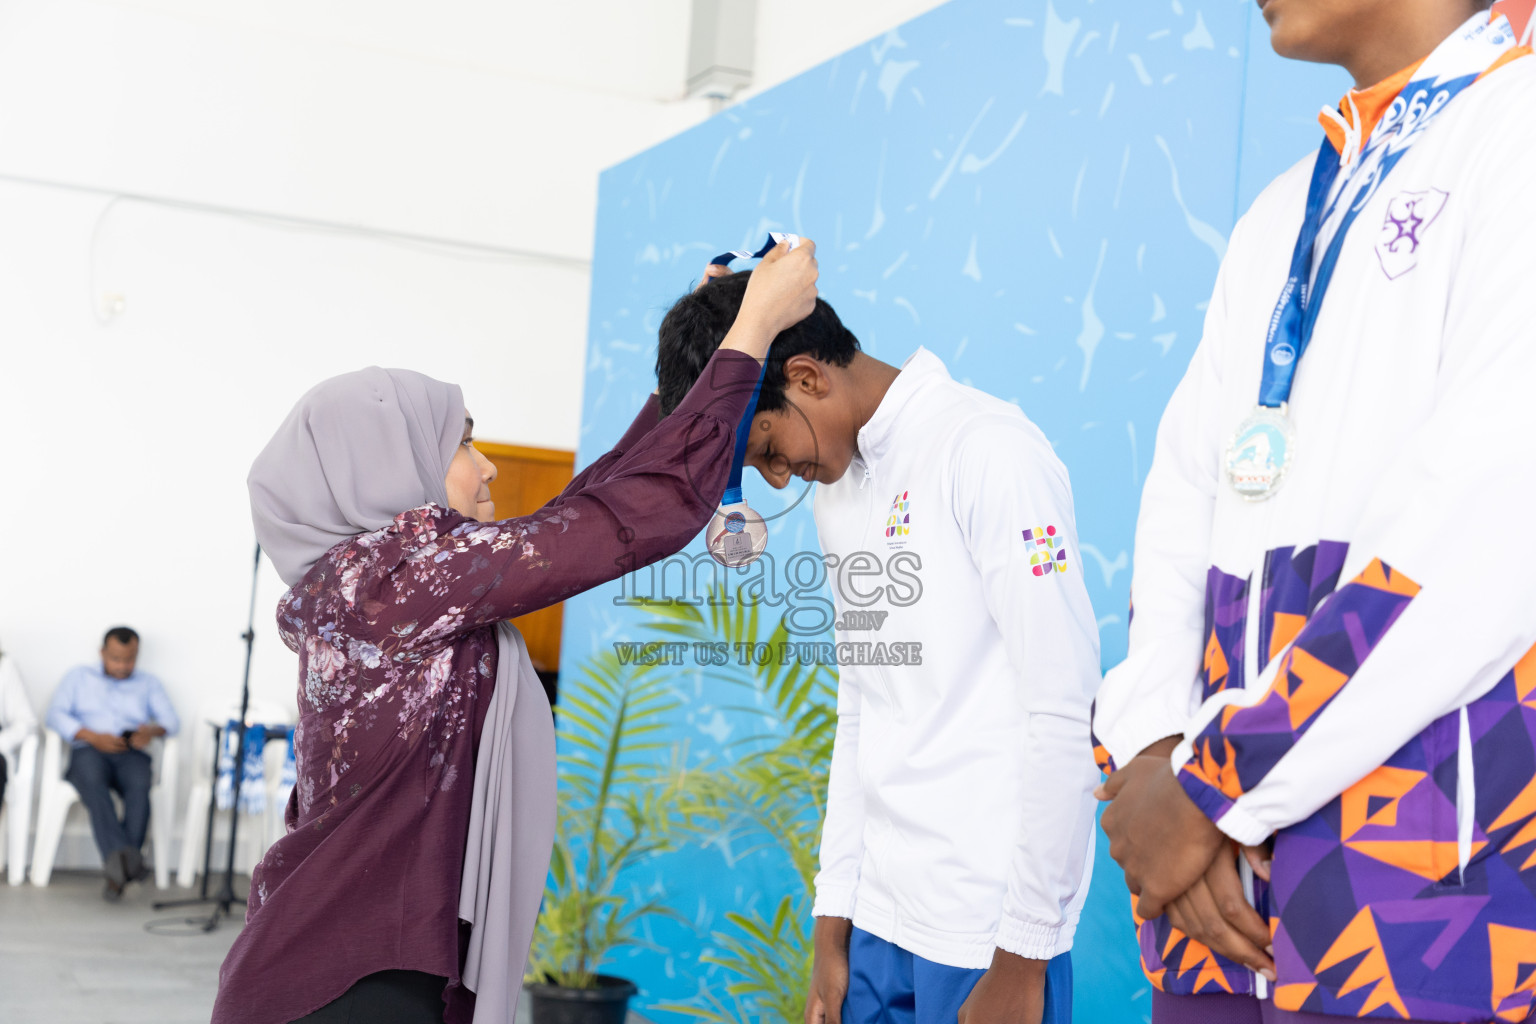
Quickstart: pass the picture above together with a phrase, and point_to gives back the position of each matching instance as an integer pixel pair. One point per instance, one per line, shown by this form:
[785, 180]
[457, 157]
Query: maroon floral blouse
[395, 632]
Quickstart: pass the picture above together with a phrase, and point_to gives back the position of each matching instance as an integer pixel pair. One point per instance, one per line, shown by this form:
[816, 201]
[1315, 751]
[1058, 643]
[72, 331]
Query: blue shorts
[888, 985]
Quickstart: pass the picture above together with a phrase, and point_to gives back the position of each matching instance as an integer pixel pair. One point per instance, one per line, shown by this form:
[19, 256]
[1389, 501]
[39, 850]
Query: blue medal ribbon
[732, 494]
[774, 238]
[1295, 316]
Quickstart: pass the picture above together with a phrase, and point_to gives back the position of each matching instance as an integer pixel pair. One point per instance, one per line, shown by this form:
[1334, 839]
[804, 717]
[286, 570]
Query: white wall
[796, 35]
[125, 439]
[126, 446]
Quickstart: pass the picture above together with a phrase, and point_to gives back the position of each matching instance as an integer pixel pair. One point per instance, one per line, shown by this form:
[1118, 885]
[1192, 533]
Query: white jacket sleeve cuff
[1141, 703]
[1134, 737]
[1033, 940]
[1244, 827]
[833, 900]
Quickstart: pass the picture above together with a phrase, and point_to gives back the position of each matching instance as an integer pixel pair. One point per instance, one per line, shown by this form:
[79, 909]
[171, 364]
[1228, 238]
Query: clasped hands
[114, 743]
[1177, 862]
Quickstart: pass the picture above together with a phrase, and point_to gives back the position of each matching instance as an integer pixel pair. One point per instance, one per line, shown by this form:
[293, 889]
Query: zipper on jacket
[1253, 660]
[1245, 872]
[1466, 796]
[1253, 665]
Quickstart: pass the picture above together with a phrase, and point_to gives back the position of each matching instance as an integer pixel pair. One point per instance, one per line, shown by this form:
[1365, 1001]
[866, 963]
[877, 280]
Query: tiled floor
[69, 957]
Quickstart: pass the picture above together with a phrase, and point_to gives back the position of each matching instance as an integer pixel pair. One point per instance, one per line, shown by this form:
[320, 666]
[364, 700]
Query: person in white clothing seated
[957, 843]
[17, 719]
[111, 712]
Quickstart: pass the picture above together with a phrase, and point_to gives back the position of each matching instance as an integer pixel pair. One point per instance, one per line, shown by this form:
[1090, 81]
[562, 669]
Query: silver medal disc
[736, 536]
[1261, 452]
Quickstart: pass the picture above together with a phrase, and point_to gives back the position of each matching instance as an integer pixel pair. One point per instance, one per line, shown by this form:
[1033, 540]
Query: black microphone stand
[226, 897]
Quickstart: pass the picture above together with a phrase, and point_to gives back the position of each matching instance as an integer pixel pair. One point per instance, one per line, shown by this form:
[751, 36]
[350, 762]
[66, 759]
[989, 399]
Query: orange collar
[1373, 102]
[1370, 103]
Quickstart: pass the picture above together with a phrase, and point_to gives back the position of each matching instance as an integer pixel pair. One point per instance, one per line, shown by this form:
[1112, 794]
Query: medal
[737, 536]
[1262, 450]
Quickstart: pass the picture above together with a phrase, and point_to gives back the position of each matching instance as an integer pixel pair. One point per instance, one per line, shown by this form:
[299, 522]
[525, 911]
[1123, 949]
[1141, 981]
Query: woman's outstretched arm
[601, 467]
[753, 337]
[434, 574]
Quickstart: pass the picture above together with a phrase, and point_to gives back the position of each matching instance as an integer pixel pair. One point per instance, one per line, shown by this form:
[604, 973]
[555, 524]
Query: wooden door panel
[527, 478]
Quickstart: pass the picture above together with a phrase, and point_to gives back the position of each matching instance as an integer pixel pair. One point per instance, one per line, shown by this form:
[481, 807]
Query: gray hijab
[356, 451]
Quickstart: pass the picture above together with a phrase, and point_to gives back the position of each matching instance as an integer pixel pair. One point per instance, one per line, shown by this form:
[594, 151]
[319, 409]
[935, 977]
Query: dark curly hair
[696, 325]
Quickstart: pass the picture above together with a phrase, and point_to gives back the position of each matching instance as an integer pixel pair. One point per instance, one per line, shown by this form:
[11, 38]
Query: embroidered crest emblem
[1409, 215]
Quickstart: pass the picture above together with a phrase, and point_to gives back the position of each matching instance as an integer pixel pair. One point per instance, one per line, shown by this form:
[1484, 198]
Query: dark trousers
[4, 773]
[96, 776]
[388, 997]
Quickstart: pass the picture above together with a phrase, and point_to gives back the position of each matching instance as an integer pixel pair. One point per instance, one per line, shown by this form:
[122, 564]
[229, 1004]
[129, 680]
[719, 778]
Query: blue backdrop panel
[1038, 192]
[1281, 99]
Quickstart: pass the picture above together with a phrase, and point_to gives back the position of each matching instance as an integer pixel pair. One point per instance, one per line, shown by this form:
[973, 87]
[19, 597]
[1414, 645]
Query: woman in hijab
[419, 833]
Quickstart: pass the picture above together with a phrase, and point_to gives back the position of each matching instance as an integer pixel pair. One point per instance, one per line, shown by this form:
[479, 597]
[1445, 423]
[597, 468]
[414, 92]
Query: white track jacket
[1350, 662]
[1415, 415]
[960, 815]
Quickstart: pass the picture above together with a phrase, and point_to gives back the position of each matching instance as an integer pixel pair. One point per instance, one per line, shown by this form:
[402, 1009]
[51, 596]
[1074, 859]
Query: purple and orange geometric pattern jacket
[1349, 662]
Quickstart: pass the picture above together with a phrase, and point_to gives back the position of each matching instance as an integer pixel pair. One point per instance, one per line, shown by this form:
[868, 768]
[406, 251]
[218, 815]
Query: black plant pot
[608, 1003]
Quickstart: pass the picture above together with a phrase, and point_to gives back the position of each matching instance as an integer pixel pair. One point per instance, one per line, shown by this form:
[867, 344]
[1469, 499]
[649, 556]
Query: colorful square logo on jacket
[1047, 550]
[899, 522]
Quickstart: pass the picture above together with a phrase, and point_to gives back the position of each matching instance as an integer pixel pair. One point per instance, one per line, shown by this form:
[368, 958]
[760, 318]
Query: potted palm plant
[616, 810]
[772, 796]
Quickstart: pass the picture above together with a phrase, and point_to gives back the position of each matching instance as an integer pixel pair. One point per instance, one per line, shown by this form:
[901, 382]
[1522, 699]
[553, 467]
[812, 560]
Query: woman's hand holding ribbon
[711, 272]
[782, 292]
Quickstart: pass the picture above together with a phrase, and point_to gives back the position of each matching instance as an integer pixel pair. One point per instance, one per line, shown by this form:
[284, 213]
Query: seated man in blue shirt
[111, 713]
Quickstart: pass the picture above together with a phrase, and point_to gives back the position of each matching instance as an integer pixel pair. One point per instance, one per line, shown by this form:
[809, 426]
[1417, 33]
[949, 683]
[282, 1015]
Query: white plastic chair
[16, 812]
[257, 832]
[56, 796]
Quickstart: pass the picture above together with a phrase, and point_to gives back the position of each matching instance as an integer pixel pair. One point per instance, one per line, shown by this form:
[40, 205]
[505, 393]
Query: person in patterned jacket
[1330, 661]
